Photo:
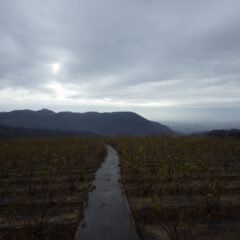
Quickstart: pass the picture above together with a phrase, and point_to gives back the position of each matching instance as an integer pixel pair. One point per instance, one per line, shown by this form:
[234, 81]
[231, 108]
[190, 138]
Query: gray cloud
[134, 54]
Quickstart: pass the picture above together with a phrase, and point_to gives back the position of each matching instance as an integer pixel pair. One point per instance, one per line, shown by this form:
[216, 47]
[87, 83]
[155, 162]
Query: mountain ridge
[106, 123]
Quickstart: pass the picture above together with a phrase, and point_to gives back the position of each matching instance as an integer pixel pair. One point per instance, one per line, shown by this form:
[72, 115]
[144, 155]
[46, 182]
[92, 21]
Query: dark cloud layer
[139, 55]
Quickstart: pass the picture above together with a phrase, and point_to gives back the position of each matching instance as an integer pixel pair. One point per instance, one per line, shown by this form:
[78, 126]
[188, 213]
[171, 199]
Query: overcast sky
[165, 59]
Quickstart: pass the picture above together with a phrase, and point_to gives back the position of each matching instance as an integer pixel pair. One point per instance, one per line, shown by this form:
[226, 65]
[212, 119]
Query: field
[44, 185]
[184, 187]
[178, 188]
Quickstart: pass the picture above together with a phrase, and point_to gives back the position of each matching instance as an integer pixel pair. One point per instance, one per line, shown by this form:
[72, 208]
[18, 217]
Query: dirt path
[107, 215]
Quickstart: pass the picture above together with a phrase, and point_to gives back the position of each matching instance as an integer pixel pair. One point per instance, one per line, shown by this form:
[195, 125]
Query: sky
[176, 60]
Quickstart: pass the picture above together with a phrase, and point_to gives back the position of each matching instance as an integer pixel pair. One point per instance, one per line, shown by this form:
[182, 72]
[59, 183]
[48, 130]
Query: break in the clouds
[162, 58]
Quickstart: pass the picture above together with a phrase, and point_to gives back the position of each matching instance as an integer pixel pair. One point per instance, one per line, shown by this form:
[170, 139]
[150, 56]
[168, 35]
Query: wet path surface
[107, 216]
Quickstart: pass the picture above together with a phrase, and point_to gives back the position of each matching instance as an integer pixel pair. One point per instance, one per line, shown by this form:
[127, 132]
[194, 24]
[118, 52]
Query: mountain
[224, 133]
[110, 124]
[19, 132]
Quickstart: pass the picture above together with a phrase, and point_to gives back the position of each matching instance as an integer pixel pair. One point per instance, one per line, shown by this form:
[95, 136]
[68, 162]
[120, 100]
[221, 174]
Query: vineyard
[179, 188]
[44, 184]
[184, 187]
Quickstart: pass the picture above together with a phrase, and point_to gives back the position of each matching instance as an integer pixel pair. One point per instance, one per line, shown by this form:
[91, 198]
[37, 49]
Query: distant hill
[110, 124]
[224, 133]
[19, 132]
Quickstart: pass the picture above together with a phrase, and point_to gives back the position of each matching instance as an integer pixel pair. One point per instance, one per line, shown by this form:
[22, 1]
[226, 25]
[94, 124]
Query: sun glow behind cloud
[60, 91]
[55, 67]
